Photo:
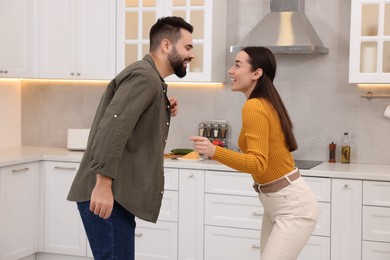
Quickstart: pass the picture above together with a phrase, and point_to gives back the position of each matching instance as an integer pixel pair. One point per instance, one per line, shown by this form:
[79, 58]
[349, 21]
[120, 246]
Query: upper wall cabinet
[77, 39]
[135, 18]
[17, 42]
[369, 60]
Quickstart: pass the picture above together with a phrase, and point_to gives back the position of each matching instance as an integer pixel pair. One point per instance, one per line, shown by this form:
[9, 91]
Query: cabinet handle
[257, 214]
[346, 186]
[138, 234]
[255, 246]
[1, 71]
[78, 74]
[191, 175]
[72, 73]
[20, 170]
[6, 71]
[65, 168]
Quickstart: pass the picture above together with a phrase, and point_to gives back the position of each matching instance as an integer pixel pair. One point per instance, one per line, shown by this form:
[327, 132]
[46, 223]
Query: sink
[306, 164]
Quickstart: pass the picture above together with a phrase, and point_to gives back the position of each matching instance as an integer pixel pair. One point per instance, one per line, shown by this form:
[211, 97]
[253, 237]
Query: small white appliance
[77, 139]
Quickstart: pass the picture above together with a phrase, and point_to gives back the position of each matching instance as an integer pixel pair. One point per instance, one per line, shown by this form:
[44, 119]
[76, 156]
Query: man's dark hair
[167, 28]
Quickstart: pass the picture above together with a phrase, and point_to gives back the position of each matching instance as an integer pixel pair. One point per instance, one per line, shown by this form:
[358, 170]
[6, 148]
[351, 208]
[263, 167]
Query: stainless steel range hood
[285, 29]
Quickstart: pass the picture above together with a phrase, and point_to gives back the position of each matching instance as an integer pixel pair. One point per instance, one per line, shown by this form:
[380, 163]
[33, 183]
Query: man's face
[181, 54]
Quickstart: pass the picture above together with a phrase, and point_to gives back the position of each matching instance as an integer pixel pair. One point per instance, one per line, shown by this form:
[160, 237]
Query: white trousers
[290, 216]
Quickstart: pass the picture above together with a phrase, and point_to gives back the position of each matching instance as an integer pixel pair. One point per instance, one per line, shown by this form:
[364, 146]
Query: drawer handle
[255, 246]
[191, 175]
[20, 170]
[257, 214]
[346, 186]
[139, 235]
[65, 168]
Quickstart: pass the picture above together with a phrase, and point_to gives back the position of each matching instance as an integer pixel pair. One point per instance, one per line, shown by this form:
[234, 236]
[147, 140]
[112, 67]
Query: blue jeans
[111, 238]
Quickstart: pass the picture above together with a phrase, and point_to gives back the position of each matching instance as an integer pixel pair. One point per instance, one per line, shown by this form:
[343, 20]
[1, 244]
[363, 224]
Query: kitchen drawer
[233, 211]
[169, 206]
[376, 223]
[375, 250]
[247, 212]
[376, 193]
[323, 224]
[171, 179]
[320, 186]
[231, 243]
[316, 248]
[156, 240]
[224, 182]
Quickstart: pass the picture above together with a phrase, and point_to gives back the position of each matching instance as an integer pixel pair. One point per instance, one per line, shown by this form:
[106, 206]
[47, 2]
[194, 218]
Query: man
[121, 174]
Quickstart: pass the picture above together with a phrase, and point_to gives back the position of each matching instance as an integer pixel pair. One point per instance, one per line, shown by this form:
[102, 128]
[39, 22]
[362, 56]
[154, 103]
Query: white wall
[10, 113]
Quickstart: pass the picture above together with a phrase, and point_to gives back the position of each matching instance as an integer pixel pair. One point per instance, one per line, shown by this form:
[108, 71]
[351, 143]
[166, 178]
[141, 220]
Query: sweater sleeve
[255, 131]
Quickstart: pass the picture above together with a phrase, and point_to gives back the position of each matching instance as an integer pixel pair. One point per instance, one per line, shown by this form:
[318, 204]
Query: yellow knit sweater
[265, 154]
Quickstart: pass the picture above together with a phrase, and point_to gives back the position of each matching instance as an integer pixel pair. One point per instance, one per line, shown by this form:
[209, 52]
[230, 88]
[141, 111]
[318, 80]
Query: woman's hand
[174, 106]
[203, 145]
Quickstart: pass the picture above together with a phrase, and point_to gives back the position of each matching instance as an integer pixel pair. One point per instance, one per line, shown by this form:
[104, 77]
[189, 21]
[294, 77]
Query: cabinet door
[135, 19]
[376, 223]
[77, 39]
[316, 248]
[346, 212]
[233, 211]
[57, 38]
[156, 241]
[19, 210]
[191, 213]
[375, 251]
[369, 60]
[231, 243]
[95, 28]
[63, 229]
[17, 45]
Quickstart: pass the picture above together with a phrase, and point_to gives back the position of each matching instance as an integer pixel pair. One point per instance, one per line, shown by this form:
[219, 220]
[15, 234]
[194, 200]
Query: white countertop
[25, 154]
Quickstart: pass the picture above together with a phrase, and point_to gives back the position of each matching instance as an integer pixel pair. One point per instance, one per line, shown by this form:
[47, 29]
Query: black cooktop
[306, 164]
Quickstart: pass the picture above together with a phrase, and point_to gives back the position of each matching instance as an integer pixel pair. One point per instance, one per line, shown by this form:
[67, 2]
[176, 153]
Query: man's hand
[102, 199]
[174, 106]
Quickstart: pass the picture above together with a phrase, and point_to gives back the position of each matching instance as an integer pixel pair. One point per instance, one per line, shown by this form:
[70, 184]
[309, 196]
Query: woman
[266, 141]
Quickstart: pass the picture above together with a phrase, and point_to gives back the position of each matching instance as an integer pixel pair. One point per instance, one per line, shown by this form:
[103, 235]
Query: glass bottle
[346, 150]
[332, 152]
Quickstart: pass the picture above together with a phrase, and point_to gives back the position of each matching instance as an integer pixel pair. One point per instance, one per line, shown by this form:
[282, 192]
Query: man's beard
[177, 63]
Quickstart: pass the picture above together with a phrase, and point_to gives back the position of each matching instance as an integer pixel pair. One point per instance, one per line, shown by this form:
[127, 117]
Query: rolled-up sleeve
[130, 100]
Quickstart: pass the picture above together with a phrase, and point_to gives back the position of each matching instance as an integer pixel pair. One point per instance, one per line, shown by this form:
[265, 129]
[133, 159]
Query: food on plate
[181, 151]
[194, 155]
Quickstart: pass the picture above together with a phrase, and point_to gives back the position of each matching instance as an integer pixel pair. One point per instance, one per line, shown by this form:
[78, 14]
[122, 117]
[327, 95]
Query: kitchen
[315, 88]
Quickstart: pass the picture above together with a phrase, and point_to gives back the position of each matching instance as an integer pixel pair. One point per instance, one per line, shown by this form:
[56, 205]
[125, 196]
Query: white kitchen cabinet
[63, 229]
[77, 39]
[160, 240]
[375, 251]
[369, 59]
[346, 229]
[19, 193]
[376, 220]
[135, 19]
[316, 248]
[233, 216]
[231, 243]
[18, 38]
[191, 214]
[155, 241]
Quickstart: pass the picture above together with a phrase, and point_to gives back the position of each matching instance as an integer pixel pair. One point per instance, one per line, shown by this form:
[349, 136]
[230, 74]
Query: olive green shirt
[127, 141]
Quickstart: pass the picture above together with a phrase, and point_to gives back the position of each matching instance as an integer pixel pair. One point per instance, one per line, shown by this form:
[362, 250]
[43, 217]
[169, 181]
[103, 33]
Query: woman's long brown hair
[263, 58]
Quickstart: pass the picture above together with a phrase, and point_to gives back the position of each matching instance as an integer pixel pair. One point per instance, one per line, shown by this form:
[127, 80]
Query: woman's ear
[257, 74]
